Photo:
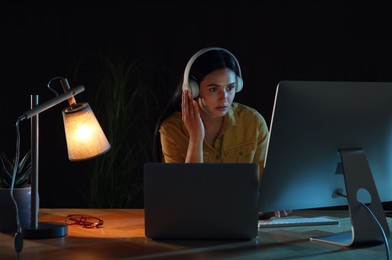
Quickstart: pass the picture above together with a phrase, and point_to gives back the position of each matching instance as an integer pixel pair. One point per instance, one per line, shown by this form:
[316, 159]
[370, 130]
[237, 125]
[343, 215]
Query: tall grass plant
[123, 95]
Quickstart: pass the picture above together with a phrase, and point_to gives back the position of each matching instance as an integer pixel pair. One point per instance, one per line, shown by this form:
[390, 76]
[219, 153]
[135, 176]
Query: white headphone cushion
[240, 84]
[193, 88]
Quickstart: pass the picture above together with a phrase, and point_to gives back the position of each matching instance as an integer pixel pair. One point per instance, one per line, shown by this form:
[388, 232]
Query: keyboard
[294, 221]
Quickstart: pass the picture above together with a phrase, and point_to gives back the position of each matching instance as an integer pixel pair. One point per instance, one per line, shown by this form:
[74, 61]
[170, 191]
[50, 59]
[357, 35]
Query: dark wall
[273, 42]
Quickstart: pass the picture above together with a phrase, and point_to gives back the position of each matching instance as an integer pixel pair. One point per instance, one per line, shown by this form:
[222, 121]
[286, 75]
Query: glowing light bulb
[85, 138]
[83, 132]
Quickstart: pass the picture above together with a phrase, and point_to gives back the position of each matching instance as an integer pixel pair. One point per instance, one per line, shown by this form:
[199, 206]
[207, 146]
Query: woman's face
[217, 91]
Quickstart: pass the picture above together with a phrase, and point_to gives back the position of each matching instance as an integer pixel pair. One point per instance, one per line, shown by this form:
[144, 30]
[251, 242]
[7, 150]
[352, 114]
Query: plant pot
[7, 208]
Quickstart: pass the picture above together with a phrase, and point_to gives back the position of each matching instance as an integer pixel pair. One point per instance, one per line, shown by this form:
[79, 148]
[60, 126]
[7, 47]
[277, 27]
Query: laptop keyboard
[296, 221]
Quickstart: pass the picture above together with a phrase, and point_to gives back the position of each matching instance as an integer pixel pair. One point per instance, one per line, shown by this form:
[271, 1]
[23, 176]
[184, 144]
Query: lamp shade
[84, 135]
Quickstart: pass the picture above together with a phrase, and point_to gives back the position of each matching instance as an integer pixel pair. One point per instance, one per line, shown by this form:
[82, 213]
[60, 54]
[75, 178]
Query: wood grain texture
[122, 237]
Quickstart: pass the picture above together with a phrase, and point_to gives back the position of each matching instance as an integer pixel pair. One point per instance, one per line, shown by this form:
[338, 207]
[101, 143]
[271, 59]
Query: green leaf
[23, 171]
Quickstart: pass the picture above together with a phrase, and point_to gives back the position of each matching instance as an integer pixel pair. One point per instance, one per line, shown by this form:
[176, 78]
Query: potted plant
[21, 192]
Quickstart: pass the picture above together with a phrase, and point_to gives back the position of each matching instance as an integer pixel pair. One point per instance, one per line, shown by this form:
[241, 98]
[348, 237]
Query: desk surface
[122, 237]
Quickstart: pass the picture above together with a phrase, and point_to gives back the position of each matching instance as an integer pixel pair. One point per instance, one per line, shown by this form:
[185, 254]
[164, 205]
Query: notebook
[201, 200]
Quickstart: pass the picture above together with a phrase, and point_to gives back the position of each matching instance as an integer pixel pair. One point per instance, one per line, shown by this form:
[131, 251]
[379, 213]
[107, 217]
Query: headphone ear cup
[240, 84]
[193, 88]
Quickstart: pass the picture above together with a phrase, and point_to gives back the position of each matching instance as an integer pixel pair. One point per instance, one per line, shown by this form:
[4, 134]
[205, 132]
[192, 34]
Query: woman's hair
[214, 59]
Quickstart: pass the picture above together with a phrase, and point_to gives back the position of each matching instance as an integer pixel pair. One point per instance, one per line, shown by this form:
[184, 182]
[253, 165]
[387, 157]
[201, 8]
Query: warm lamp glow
[85, 138]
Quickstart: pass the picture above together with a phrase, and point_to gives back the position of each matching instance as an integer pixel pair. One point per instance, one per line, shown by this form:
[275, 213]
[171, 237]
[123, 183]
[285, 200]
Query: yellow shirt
[243, 138]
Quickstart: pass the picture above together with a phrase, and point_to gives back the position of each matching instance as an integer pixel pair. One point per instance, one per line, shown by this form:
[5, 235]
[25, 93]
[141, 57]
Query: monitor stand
[358, 179]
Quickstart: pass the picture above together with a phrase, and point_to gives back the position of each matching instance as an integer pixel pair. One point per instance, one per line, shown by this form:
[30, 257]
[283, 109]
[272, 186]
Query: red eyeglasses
[84, 220]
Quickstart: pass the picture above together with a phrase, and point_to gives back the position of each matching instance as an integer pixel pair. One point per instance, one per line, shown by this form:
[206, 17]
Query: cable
[49, 87]
[339, 192]
[18, 240]
[381, 229]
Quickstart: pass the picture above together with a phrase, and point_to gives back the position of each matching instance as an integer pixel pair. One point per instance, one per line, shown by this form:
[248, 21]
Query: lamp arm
[50, 103]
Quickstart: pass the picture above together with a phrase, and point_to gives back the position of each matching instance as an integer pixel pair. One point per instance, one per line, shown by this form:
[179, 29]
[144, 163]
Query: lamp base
[46, 230]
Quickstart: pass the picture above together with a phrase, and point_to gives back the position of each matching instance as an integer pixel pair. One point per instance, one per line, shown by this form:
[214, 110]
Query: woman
[202, 123]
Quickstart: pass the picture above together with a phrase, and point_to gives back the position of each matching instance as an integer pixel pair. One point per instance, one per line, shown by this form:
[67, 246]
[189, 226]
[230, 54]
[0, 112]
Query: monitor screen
[311, 122]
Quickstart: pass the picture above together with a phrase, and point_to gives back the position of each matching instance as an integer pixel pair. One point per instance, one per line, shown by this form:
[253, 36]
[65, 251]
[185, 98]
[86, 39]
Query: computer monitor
[326, 139]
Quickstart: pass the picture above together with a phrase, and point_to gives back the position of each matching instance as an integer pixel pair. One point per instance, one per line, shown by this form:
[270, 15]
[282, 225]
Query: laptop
[201, 201]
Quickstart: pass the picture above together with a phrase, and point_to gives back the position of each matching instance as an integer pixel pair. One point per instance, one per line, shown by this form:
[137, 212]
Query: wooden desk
[123, 238]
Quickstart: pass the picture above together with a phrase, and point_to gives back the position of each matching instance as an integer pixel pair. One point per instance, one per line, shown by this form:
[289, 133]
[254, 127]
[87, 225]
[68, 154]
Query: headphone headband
[192, 85]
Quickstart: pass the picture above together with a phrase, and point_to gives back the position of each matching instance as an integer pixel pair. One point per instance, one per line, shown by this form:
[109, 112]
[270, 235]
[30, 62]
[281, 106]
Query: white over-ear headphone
[192, 86]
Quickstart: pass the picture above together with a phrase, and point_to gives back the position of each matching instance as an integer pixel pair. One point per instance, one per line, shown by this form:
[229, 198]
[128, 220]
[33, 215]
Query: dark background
[273, 42]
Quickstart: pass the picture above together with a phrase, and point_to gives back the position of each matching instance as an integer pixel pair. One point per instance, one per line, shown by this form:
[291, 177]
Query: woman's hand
[191, 118]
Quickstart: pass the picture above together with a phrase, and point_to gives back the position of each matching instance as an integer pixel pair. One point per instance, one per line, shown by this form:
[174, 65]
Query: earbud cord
[18, 240]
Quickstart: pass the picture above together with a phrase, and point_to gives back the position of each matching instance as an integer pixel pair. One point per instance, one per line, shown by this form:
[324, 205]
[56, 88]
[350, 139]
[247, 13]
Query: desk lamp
[85, 139]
